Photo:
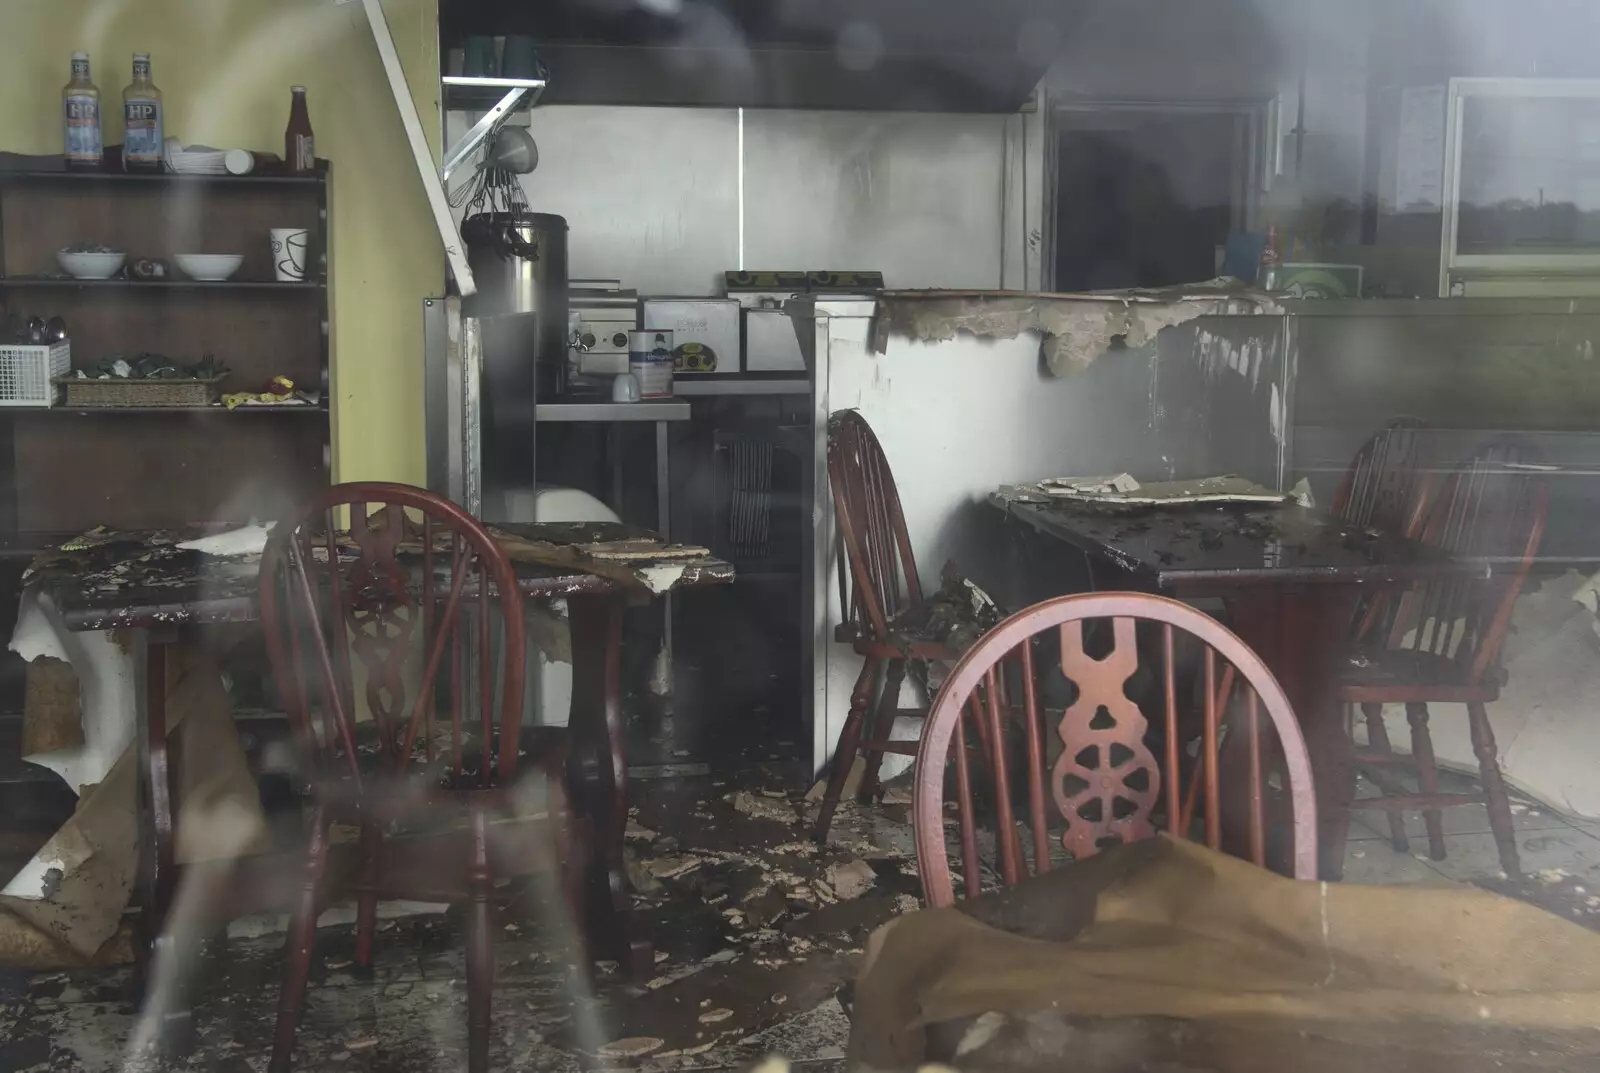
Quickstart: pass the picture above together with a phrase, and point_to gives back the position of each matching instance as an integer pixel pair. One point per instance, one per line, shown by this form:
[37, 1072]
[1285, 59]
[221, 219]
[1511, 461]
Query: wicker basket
[122, 394]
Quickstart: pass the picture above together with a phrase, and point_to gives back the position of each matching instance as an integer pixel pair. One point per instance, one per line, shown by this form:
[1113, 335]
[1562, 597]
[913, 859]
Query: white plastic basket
[26, 372]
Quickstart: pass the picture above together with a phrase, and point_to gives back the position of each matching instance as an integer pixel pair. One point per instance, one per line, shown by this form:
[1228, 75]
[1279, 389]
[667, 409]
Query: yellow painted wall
[224, 68]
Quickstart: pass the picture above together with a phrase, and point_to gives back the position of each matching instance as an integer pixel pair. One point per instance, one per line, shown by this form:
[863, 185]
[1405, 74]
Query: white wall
[666, 199]
[960, 418]
[917, 195]
[649, 194]
[950, 417]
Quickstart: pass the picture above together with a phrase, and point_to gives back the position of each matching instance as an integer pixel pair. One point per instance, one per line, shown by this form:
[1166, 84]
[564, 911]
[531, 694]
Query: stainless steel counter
[689, 388]
[643, 410]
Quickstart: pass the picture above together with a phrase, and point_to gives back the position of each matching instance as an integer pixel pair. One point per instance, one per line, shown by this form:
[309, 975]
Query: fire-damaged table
[1290, 578]
[145, 584]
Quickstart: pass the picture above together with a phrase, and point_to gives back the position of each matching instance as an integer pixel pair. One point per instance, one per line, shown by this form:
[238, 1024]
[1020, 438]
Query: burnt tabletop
[1182, 547]
[143, 579]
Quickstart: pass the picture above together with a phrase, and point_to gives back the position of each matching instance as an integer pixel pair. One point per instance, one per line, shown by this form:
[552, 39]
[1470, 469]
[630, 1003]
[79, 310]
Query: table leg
[664, 531]
[1300, 635]
[598, 771]
[614, 457]
[158, 873]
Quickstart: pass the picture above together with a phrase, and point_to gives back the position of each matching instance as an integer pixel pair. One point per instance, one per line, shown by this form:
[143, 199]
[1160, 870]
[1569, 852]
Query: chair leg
[1427, 775]
[883, 726]
[1378, 740]
[573, 869]
[844, 757]
[298, 947]
[367, 902]
[570, 846]
[480, 951]
[1494, 789]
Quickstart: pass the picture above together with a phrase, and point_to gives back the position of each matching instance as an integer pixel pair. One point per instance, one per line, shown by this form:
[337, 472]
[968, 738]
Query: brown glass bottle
[299, 145]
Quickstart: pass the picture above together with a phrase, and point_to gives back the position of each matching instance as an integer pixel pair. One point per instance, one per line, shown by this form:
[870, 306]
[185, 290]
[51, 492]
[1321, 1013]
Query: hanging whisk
[493, 196]
[506, 153]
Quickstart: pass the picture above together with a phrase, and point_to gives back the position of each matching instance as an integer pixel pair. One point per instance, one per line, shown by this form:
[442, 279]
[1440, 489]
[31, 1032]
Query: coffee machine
[519, 262]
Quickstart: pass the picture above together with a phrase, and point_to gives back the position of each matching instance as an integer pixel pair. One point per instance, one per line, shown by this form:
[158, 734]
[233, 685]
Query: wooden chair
[1440, 641]
[1389, 482]
[1106, 785]
[396, 602]
[1388, 486]
[879, 593]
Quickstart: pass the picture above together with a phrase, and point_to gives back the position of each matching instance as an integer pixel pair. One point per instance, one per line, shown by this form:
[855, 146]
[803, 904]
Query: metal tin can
[650, 361]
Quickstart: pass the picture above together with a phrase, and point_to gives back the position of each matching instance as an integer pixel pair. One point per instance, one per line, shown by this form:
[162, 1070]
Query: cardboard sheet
[75, 889]
[1163, 951]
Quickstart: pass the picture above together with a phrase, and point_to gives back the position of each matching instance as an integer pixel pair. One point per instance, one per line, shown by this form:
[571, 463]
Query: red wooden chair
[390, 603]
[1389, 486]
[1106, 785]
[1389, 482]
[879, 593]
[1440, 642]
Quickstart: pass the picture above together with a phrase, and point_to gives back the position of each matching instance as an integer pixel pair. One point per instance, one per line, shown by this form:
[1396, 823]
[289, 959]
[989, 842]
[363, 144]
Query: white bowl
[208, 266]
[91, 265]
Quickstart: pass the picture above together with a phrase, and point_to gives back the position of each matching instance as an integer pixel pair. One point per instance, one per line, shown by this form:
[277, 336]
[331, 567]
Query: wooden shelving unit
[13, 175]
[63, 470]
[60, 282]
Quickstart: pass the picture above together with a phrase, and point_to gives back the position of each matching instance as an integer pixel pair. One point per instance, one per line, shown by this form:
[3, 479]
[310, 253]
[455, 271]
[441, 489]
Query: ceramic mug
[289, 253]
[521, 59]
[478, 59]
[625, 388]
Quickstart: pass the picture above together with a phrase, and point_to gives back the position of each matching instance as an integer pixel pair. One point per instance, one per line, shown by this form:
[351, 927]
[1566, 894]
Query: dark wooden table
[1291, 579]
[141, 582]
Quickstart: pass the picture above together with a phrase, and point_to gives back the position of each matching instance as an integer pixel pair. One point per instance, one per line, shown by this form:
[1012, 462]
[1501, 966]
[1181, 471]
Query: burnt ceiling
[934, 55]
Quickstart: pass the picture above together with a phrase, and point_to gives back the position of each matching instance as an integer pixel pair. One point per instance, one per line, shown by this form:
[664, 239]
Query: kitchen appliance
[770, 345]
[600, 339]
[510, 387]
[600, 316]
[705, 332]
[834, 281]
[519, 260]
[770, 342]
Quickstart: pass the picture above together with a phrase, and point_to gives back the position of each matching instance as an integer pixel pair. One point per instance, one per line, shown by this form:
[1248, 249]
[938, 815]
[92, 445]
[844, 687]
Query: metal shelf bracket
[432, 184]
[520, 93]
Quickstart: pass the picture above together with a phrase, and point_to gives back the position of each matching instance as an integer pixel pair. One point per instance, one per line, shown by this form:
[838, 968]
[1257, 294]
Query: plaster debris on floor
[757, 932]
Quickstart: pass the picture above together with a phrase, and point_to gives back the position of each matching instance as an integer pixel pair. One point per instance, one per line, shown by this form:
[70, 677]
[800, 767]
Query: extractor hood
[921, 55]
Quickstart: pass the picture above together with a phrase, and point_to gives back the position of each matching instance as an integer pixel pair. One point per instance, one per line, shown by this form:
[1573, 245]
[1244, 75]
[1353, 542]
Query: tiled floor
[1552, 847]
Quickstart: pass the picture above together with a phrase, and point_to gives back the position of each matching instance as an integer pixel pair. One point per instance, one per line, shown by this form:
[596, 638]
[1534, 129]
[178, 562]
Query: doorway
[1145, 194]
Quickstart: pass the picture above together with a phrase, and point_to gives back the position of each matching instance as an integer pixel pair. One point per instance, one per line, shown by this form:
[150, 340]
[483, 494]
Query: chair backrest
[1491, 508]
[384, 584]
[875, 549]
[1388, 487]
[1106, 785]
[1388, 483]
